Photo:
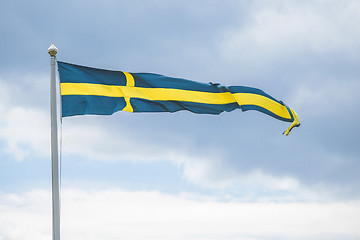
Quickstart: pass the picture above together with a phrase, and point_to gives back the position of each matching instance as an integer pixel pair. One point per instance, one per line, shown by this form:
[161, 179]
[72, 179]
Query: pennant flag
[86, 90]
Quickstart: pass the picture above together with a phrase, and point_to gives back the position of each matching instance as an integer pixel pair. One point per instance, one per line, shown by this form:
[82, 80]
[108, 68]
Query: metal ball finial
[52, 50]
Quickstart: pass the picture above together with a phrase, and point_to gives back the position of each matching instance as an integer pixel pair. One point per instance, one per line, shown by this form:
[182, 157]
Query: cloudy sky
[182, 175]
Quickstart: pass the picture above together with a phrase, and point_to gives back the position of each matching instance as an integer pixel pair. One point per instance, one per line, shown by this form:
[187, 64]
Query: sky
[181, 175]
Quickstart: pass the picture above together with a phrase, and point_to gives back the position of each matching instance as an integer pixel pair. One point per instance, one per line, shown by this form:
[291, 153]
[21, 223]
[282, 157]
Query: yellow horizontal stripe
[91, 89]
[264, 102]
[167, 94]
[154, 94]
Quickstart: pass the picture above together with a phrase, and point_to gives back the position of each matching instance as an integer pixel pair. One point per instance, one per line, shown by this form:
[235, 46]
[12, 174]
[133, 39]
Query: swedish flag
[86, 90]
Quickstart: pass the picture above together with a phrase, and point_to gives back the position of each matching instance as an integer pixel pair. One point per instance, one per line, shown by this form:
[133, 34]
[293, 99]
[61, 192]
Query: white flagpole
[54, 147]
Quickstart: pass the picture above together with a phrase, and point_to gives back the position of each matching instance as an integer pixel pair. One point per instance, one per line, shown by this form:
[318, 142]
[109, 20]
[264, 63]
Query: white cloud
[207, 171]
[253, 185]
[102, 143]
[24, 130]
[281, 28]
[114, 214]
[4, 97]
[333, 95]
[25, 216]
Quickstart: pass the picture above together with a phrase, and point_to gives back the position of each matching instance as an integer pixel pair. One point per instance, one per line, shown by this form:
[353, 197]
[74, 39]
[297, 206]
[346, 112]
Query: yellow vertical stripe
[130, 82]
[128, 107]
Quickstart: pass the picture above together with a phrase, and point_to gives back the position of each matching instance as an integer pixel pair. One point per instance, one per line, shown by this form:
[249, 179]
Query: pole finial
[52, 50]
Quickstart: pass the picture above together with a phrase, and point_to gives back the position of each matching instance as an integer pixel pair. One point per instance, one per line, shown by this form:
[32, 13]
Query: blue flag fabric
[86, 90]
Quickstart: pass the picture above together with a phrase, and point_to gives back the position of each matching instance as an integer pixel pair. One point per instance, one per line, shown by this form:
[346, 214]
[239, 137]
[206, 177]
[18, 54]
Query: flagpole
[54, 147]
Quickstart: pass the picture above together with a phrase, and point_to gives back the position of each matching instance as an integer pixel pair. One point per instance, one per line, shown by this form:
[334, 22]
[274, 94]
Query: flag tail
[295, 123]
